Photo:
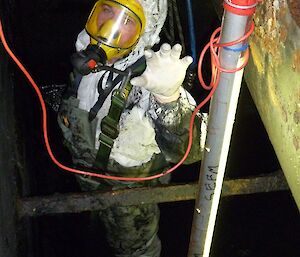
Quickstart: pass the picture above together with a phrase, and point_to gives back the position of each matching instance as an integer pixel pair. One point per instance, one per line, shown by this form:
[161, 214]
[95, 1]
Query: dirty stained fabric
[152, 136]
[147, 129]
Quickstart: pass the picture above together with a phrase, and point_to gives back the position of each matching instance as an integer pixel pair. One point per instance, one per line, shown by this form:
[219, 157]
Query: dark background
[42, 35]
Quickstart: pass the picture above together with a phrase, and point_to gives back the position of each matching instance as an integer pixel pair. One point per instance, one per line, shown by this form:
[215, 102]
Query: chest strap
[110, 123]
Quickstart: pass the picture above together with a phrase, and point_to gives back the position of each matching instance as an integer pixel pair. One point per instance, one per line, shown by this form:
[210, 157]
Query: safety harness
[110, 123]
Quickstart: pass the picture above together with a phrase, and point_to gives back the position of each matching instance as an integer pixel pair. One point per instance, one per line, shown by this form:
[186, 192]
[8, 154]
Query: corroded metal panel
[273, 78]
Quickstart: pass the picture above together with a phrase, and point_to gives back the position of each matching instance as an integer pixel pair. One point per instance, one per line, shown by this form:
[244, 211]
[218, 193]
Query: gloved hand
[164, 73]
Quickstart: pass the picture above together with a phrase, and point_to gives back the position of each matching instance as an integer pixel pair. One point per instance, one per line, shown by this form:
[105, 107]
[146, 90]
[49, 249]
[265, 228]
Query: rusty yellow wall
[273, 78]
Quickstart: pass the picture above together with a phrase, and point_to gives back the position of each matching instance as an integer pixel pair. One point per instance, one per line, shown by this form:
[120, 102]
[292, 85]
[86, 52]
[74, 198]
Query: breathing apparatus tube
[179, 27]
[169, 31]
[190, 73]
[213, 45]
[191, 28]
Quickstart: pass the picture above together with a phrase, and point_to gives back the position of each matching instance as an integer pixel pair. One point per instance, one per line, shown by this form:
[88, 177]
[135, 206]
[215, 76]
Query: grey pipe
[221, 119]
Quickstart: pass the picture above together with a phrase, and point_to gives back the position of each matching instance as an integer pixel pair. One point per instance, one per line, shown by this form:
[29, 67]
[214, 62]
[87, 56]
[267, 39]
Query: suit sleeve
[171, 121]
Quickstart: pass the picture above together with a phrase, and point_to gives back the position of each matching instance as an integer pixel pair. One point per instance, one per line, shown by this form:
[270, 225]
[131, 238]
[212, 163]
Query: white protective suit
[152, 134]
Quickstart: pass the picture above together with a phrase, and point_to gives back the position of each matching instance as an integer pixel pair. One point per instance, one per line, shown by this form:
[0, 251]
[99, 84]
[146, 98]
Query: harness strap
[110, 123]
[103, 94]
[109, 127]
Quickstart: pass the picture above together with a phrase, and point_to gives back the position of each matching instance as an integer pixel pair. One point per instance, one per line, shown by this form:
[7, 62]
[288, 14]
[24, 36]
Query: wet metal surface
[273, 78]
[89, 201]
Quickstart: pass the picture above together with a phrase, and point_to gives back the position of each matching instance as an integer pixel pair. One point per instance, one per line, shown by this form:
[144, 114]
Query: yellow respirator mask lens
[116, 24]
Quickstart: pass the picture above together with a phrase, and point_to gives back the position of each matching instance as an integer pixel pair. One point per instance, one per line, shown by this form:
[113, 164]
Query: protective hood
[116, 26]
[155, 15]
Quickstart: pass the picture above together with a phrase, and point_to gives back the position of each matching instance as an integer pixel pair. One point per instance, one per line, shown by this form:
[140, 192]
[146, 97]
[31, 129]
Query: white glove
[164, 73]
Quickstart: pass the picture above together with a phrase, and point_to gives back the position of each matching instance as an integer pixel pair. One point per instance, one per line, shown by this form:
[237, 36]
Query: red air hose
[216, 69]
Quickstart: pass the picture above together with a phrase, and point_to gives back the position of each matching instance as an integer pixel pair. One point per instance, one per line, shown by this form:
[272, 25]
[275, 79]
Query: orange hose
[214, 43]
[214, 46]
[45, 131]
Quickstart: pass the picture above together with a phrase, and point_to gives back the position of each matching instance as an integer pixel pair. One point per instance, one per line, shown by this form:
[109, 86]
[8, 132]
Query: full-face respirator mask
[114, 27]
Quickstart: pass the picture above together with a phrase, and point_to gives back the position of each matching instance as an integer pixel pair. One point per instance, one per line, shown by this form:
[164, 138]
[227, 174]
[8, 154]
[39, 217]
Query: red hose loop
[214, 60]
[241, 7]
[214, 45]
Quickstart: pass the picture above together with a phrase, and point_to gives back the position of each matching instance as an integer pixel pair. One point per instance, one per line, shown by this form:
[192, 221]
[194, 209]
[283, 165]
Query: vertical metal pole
[221, 119]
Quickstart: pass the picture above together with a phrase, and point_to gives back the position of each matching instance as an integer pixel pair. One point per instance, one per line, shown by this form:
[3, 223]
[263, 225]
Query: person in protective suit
[152, 130]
